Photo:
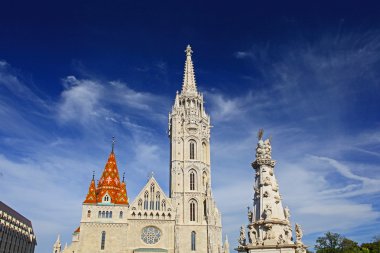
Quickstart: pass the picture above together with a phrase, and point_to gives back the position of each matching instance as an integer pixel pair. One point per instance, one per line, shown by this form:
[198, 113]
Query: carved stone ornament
[267, 181]
[287, 213]
[281, 240]
[266, 194]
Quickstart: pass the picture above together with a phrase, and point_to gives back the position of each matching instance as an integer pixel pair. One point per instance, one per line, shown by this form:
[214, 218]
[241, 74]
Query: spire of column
[189, 85]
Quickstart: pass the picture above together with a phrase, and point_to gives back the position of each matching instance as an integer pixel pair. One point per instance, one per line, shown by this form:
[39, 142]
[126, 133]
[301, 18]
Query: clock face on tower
[150, 235]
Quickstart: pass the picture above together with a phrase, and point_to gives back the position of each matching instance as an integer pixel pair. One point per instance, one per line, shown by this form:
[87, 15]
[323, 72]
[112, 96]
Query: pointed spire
[91, 194]
[113, 143]
[189, 85]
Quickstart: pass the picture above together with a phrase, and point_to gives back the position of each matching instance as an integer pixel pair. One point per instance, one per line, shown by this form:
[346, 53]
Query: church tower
[198, 221]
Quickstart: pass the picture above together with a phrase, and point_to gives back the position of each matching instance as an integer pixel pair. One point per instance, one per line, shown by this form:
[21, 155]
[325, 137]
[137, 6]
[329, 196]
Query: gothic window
[158, 201]
[193, 238]
[163, 205]
[140, 204]
[121, 215]
[110, 214]
[204, 208]
[100, 214]
[88, 214]
[107, 214]
[205, 152]
[192, 149]
[151, 197]
[193, 210]
[103, 214]
[102, 245]
[192, 180]
[146, 200]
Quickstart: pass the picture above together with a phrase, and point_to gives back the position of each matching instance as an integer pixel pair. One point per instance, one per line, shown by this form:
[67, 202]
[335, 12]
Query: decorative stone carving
[266, 194]
[242, 238]
[250, 215]
[288, 234]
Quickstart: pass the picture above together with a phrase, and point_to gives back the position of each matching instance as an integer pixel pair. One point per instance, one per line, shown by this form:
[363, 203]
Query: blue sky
[72, 75]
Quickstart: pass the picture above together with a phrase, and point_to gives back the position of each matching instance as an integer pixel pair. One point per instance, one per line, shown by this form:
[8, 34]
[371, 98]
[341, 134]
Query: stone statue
[269, 235]
[281, 239]
[252, 235]
[299, 233]
[267, 181]
[242, 238]
[268, 212]
[266, 194]
[250, 215]
[287, 213]
[288, 234]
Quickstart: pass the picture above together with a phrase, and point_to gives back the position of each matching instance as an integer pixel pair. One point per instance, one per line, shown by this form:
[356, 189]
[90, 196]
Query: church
[185, 220]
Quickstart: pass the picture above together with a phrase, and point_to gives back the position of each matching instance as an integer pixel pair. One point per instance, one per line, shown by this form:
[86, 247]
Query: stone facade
[185, 221]
[269, 229]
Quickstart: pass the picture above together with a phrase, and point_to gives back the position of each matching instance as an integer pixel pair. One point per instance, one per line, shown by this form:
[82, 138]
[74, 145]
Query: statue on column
[252, 235]
[242, 238]
[287, 213]
[299, 234]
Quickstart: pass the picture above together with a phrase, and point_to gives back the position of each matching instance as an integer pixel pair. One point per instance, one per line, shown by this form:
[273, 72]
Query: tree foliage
[335, 243]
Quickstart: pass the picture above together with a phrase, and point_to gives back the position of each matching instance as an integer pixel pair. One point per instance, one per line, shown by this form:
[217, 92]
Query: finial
[93, 175]
[123, 176]
[260, 134]
[113, 143]
[188, 50]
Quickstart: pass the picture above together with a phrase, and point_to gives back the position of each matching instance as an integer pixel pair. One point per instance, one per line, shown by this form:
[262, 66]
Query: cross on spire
[113, 143]
[189, 85]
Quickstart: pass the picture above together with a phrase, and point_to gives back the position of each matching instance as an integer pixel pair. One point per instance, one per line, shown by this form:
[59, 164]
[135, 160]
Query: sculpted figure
[267, 181]
[252, 235]
[250, 215]
[281, 239]
[268, 212]
[287, 213]
[266, 194]
[242, 238]
[288, 234]
[299, 233]
[269, 235]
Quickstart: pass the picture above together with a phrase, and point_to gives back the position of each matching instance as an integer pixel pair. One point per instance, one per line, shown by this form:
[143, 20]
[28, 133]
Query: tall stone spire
[189, 85]
[269, 225]
[57, 245]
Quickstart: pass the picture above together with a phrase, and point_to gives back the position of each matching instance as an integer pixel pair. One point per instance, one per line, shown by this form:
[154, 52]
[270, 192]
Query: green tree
[329, 243]
[349, 246]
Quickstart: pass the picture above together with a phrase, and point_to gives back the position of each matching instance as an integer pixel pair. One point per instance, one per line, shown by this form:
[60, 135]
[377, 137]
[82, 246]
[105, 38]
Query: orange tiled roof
[91, 195]
[109, 183]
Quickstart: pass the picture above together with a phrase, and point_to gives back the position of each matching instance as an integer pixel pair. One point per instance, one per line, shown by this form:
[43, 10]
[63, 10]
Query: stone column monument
[269, 229]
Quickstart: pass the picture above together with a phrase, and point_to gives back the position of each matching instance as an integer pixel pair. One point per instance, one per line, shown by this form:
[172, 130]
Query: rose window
[150, 235]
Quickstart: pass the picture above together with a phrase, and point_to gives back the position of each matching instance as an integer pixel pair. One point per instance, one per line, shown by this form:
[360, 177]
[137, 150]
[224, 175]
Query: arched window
[192, 149]
[192, 180]
[146, 200]
[151, 197]
[158, 201]
[193, 210]
[121, 215]
[204, 208]
[163, 205]
[100, 214]
[193, 239]
[107, 214]
[140, 204]
[88, 213]
[204, 152]
[103, 243]
[110, 214]
[103, 214]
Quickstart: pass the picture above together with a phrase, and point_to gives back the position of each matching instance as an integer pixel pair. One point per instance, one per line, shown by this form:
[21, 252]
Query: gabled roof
[157, 188]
